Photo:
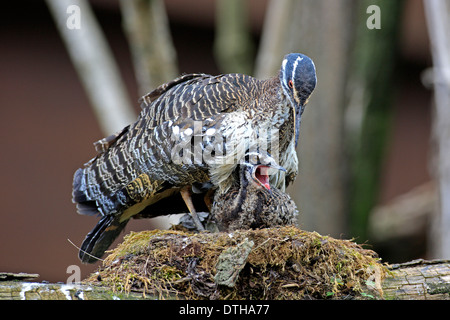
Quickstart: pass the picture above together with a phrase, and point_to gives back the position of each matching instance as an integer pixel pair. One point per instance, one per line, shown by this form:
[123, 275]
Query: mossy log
[277, 263]
[20, 290]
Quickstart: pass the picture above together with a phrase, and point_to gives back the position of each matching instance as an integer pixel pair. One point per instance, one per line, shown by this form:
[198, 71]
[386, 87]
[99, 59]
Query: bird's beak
[297, 117]
[261, 174]
[277, 167]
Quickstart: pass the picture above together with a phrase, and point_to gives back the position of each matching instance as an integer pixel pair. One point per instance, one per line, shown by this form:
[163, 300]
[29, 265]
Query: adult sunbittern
[191, 130]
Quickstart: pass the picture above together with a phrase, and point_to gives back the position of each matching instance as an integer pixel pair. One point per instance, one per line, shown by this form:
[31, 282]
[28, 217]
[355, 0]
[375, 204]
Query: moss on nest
[280, 263]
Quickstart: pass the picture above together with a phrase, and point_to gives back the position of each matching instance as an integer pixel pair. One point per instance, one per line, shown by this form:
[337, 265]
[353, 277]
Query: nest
[274, 263]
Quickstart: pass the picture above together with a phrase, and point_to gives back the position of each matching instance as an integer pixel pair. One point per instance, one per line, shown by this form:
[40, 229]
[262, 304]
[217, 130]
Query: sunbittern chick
[251, 203]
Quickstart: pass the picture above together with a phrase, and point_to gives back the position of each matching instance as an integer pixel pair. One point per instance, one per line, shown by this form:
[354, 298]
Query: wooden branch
[19, 290]
[94, 64]
[147, 28]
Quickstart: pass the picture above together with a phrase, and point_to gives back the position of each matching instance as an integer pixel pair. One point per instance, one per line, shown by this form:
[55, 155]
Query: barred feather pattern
[220, 116]
[200, 97]
[236, 107]
[136, 168]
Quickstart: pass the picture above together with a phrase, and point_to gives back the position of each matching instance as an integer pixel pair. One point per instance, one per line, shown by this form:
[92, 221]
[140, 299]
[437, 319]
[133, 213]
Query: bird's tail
[100, 238]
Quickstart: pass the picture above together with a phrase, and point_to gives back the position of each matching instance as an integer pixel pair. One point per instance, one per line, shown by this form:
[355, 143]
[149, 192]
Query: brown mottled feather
[248, 205]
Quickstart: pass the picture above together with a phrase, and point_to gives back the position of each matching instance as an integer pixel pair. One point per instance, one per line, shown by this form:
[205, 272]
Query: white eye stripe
[295, 67]
[283, 64]
[293, 78]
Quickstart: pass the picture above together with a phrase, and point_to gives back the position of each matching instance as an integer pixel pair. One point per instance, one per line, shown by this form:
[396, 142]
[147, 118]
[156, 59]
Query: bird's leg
[186, 194]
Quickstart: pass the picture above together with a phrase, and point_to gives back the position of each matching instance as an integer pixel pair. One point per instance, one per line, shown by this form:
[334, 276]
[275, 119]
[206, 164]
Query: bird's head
[298, 80]
[256, 169]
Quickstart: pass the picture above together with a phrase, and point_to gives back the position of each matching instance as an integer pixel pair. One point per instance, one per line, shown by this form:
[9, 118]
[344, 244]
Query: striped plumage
[191, 130]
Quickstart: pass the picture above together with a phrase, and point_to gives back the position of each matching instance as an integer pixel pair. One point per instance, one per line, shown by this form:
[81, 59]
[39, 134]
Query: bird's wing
[147, 146]
[197, 97]
[103, 145]
[135, 167]
[147, 99]
[137, 171]
[142, 166]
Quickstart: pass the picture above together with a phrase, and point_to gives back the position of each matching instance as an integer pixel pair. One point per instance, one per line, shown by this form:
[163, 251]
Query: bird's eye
[290, 84]
[252, 159]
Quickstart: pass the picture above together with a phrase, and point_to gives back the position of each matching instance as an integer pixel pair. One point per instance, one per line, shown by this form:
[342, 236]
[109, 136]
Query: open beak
[261, 174]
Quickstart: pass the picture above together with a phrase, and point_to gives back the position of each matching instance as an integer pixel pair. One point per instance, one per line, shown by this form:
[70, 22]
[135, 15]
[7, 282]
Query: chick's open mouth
[262, 175]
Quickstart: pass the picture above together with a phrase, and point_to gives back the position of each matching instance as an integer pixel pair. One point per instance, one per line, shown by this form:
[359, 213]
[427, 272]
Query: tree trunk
[438, 20]
[273, 38]
[345, 123]
[233, 47]
[324, 31]
[147, 29]
[368, 108]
